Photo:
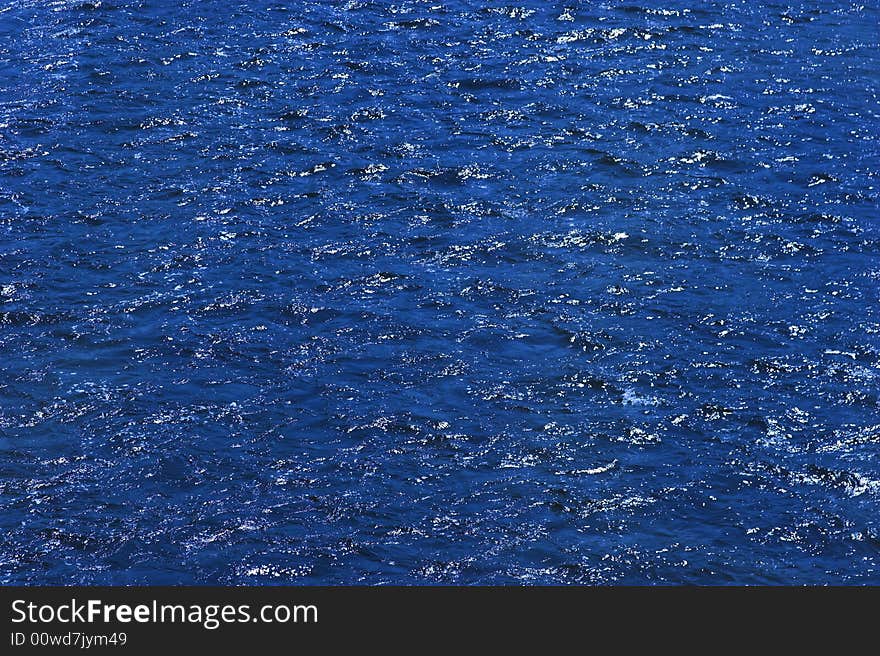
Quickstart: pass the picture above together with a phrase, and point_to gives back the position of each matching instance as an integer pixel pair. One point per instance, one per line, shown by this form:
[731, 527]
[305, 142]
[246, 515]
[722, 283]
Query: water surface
[439, 292]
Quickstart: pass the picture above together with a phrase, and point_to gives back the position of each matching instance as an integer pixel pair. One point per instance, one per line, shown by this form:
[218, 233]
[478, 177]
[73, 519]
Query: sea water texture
[439, 292]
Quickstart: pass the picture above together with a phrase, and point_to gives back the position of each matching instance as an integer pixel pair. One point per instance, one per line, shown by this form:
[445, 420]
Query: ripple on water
[435, 293]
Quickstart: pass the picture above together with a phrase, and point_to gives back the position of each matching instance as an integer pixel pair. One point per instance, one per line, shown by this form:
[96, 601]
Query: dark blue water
[439, 292]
